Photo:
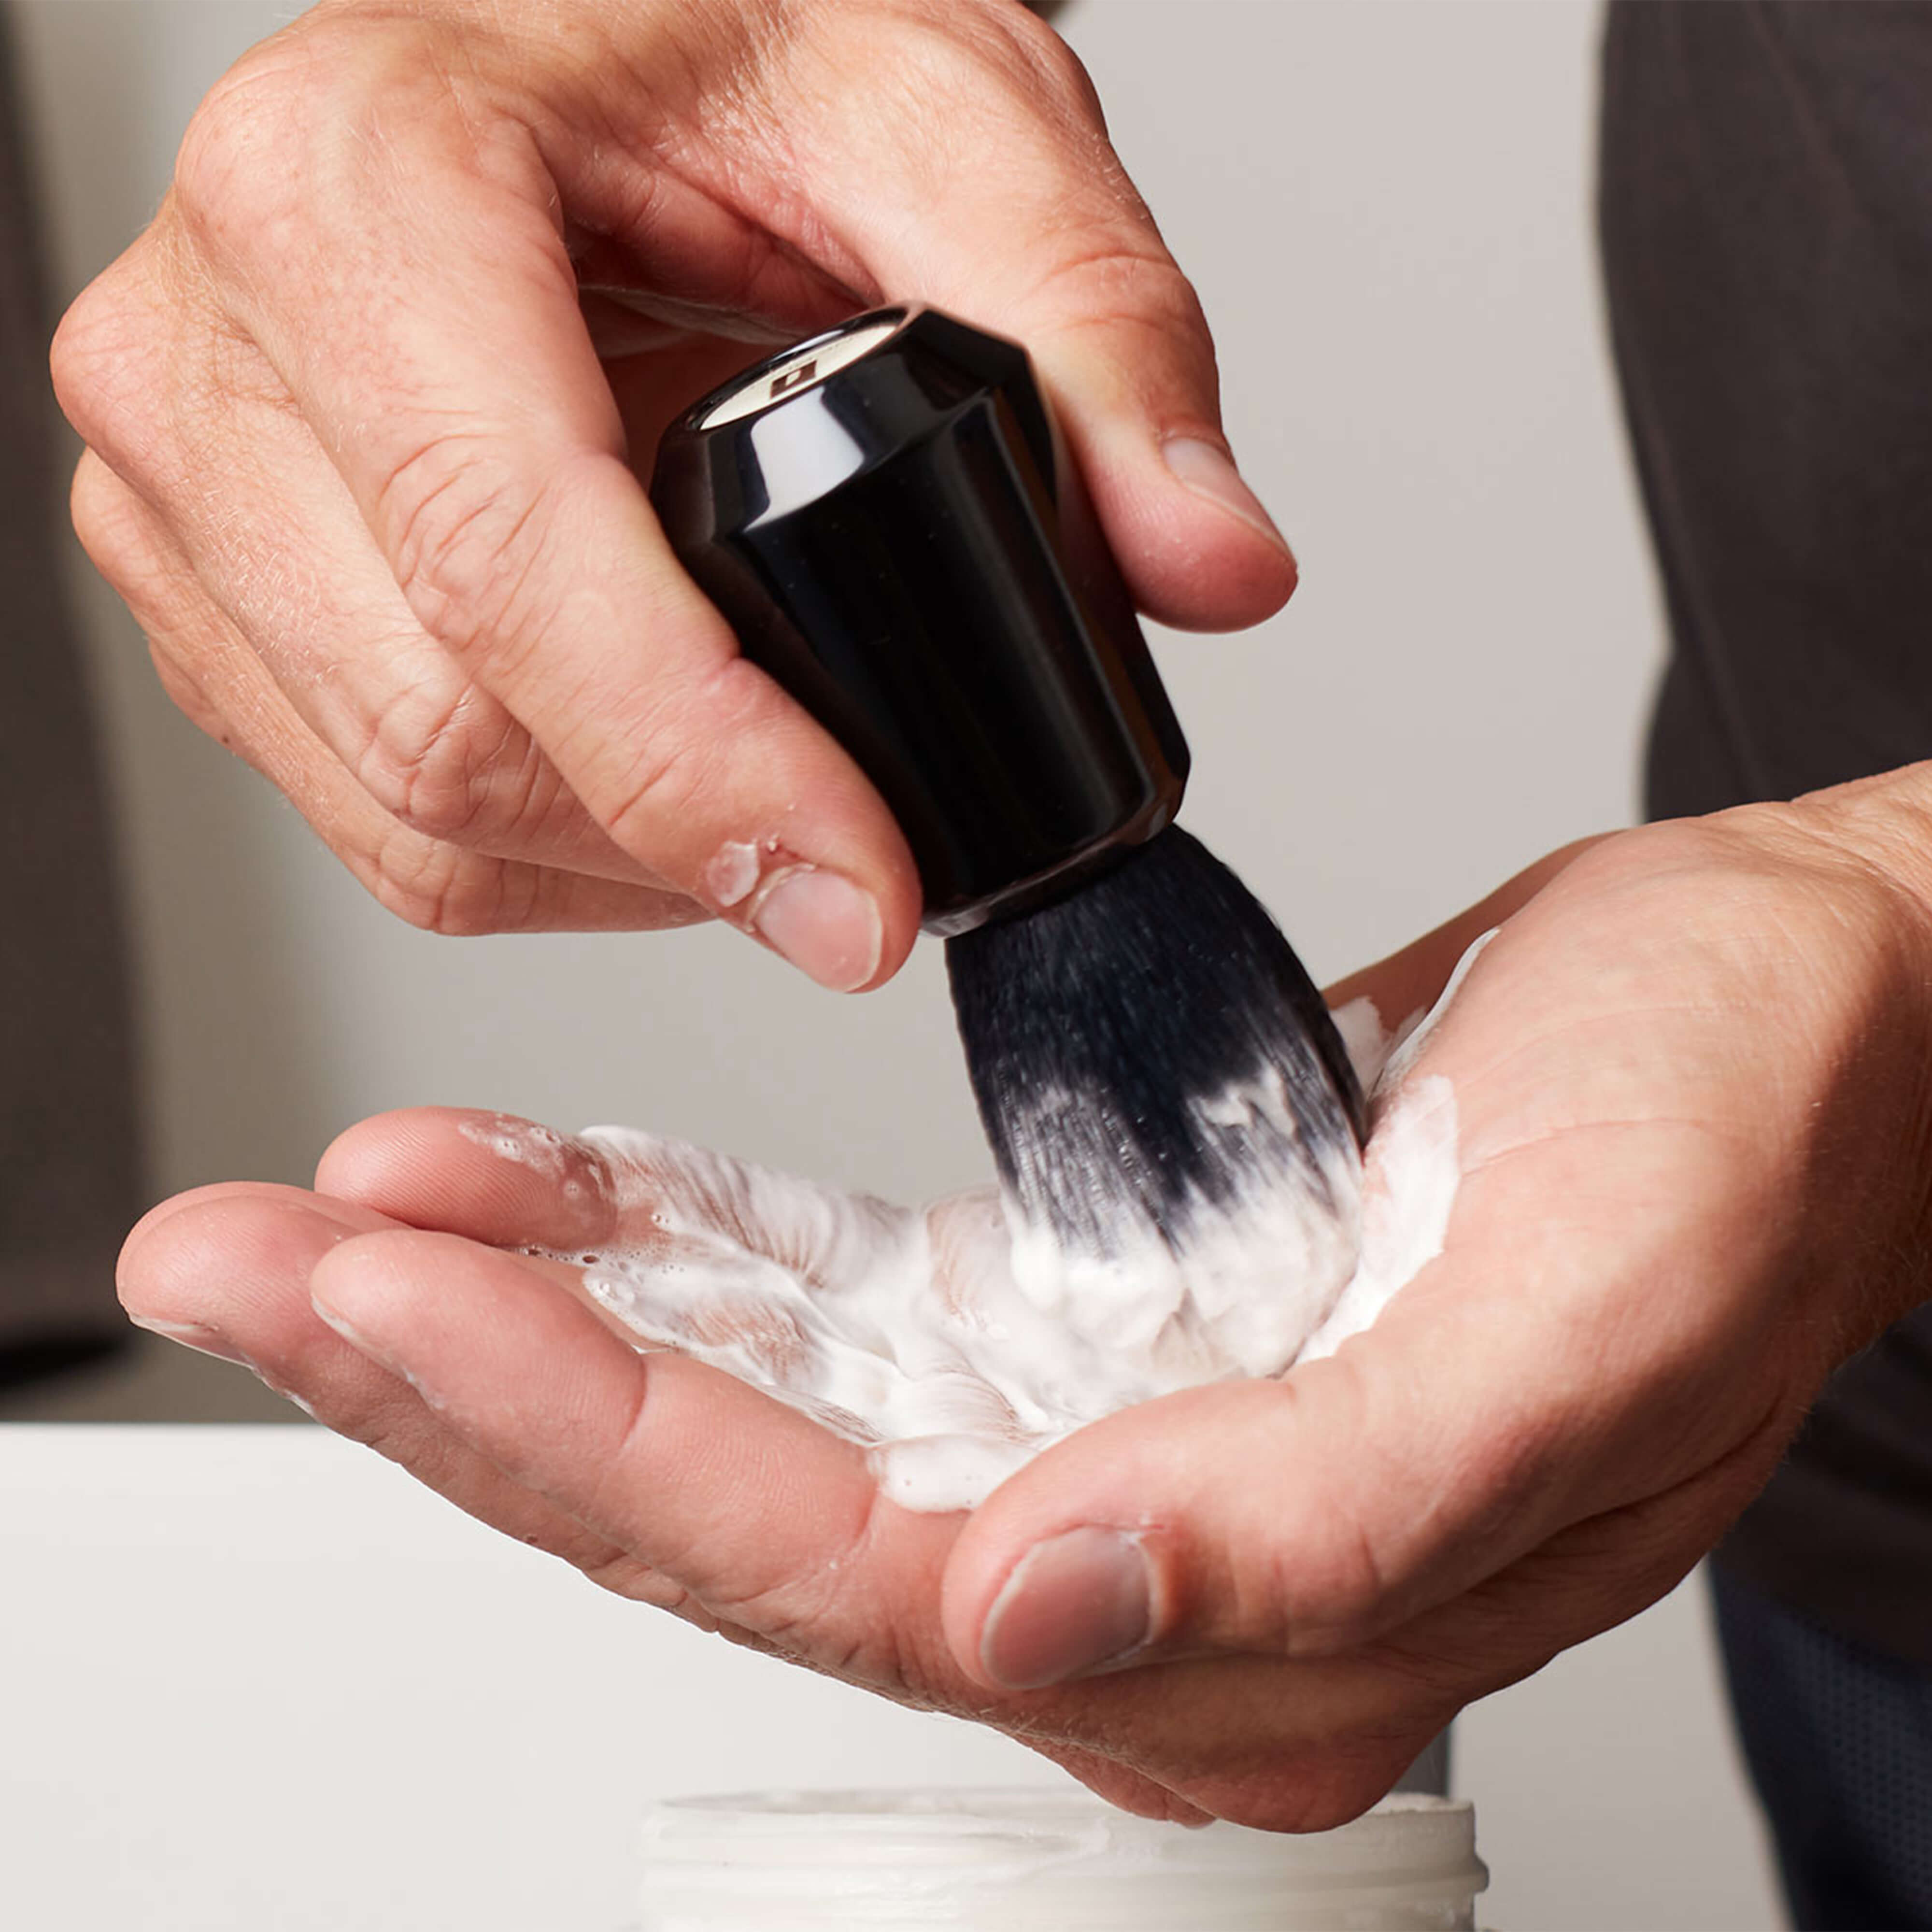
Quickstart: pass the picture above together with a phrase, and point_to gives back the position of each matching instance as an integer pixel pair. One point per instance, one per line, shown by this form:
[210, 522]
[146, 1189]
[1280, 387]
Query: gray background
[1387, 209]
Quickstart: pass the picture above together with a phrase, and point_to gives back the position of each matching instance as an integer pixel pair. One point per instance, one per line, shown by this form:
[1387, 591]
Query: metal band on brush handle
[882, 516]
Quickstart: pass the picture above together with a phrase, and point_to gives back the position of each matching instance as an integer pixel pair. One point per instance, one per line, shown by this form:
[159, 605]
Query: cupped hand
[1690, 1082]
[366, 405]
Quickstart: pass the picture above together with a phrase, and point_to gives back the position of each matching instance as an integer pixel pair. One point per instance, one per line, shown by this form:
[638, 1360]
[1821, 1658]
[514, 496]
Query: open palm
[1692, 1133]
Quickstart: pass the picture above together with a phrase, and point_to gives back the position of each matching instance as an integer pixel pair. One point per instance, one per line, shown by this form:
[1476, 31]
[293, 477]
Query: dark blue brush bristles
[1117, 1040]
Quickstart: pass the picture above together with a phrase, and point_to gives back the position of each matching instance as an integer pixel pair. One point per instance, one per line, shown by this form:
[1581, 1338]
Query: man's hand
[1691, 1081]
[366, 405]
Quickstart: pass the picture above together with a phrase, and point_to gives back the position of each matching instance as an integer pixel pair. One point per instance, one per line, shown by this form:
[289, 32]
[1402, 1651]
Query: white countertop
[256, 1677]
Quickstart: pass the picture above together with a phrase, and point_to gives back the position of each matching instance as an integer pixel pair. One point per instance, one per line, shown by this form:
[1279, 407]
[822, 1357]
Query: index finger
[418, 299]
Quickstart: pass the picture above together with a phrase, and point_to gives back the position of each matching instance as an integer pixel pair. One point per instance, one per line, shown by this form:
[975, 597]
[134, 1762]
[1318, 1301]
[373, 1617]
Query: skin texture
[1695, 1131]
[366, 407]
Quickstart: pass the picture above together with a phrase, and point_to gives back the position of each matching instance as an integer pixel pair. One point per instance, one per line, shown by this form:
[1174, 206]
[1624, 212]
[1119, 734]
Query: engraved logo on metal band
[809, 363]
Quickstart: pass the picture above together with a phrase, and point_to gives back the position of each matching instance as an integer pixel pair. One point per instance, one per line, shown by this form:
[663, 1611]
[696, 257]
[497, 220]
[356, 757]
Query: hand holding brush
[363, 417]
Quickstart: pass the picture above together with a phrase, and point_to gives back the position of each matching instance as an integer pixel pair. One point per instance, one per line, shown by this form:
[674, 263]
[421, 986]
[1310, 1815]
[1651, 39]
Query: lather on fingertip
[1208, 471]
[1075, 1602]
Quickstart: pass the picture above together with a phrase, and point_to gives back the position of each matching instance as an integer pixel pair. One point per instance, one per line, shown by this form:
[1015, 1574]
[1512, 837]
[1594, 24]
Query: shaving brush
[886, 517]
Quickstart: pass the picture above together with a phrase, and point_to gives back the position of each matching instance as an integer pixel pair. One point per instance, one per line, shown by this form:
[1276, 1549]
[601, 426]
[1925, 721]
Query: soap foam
[543, 1149]
[957, 1342]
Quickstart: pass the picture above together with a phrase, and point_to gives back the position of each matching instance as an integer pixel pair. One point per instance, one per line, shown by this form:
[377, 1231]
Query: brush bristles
[1149, 1052]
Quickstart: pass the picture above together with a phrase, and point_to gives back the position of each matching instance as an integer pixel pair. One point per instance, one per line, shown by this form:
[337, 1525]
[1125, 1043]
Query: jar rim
[1409, 1838]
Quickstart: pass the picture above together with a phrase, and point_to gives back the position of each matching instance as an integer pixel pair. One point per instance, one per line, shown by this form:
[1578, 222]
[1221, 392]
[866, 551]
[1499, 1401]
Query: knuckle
[1335, 1591]
[452, 765]
[233, 179]
[1112, 281]
[465, 534]
[442, 889]
[678, 756]
[1343, 1575]
[1310, 1578]
[1058, 70]
[108, 522]
[85, 357]
[289, 137]
[1018, 52]
[411, 902]
[629, 1576]
[101, 358]
[185, 693]
[115, 531]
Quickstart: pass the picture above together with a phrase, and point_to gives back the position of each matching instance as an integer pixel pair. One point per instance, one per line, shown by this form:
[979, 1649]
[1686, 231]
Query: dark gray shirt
[1766, 211]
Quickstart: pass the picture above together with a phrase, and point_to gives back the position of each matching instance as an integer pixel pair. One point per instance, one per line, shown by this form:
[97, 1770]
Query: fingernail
[332, 1318]
[824, 925]
[340, 1270]
[1209, 472]
[192, 1335]
[1072, 1604]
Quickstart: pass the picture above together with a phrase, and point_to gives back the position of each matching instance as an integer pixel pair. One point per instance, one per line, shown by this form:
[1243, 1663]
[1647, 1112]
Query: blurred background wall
[1387, 209]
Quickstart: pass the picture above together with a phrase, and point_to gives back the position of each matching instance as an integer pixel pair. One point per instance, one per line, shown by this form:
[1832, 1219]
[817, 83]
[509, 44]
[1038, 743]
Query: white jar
[1046, 1861]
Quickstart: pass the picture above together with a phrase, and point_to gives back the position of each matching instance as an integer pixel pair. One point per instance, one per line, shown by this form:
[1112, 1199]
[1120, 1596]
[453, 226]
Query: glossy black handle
[883, 517]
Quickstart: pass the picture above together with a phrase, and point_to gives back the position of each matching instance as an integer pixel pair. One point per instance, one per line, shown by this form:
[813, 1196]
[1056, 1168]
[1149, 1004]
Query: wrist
[1882, 825]
[1872, 840]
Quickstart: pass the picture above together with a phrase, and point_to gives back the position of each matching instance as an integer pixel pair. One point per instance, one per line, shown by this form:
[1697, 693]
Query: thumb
[1128, 1544]
[1517, 1387]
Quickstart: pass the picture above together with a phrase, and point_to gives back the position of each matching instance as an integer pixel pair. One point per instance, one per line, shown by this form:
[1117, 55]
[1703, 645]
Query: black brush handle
[883, 516]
